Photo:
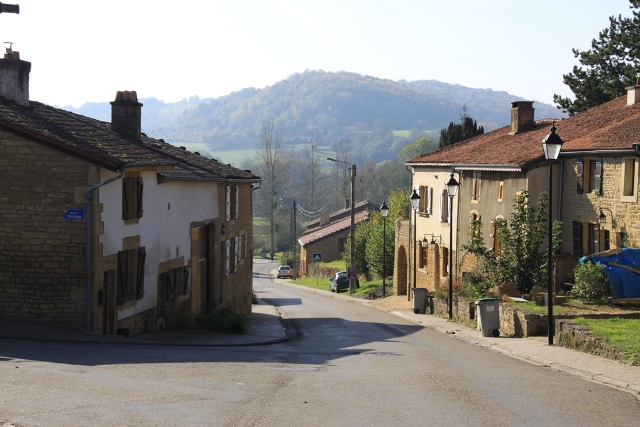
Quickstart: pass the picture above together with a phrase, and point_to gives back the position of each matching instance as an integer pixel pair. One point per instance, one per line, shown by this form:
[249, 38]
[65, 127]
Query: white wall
[168, 210]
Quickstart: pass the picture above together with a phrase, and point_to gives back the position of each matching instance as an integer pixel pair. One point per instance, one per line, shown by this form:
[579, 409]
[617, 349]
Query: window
[342, 244]
[445, 261]
[474, 228]
[130, 279]
[175, 282]
[589, 175]
[232, 202]
[475, 191]
[494, 237]
[426, 194]
[444, 206]
[131, 197]
[424, 256]
[227, 257]
[629, 179]
[577, 228]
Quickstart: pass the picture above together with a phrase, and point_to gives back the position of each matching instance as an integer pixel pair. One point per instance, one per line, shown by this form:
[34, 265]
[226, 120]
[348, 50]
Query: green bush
[591, 282]
[475, 285]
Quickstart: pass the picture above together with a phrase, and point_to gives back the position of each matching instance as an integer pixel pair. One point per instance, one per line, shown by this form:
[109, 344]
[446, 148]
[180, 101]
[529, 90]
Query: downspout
[409, 233]
[87, 251]
[560, 181]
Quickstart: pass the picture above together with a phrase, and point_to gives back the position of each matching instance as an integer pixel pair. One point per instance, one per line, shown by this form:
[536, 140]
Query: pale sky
[87, 50]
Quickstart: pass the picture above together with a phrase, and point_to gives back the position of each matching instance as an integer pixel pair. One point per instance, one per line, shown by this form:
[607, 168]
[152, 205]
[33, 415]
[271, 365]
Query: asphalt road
[348, 365]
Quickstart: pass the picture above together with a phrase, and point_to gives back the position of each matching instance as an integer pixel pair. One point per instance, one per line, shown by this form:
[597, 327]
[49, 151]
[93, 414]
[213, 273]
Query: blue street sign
[317, 257]
[72, 214]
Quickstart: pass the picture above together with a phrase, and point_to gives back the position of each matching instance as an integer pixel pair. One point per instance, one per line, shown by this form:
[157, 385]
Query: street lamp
[352, 225]
[384, 211]
[415, 203]
[452, 190]
[551, 144]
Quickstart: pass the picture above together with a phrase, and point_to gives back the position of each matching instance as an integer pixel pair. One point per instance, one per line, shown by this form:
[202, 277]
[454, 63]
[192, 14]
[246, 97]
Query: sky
[87, 50]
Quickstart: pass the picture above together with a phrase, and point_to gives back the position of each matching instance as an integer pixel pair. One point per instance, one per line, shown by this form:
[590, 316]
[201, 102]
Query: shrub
[591, 282]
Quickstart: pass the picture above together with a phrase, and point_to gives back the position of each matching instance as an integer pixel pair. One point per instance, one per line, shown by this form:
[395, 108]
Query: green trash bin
[488, 311]
[419, 300]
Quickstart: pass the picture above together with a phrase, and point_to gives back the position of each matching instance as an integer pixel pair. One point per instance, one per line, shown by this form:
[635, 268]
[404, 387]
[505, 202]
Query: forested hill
[329, 105]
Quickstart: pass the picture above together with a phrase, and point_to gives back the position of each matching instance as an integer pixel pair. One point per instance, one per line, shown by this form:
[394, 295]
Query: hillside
[330, 105]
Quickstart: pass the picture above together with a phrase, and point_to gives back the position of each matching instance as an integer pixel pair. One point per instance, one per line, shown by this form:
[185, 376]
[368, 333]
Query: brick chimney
[521, 116]
[126, 115]
[14, 78]
[633, 93]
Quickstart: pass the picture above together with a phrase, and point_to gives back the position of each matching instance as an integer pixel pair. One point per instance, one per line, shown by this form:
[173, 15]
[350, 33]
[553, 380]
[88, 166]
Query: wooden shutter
[429, 199]
[596, 238]
[185, 281]
[578, 228]
[228, 203]
[237, 207]
[227, 256]
[139, 186]
[580, 175]
[142, 256]
[597, 185]
[171, 284]
[123, 277]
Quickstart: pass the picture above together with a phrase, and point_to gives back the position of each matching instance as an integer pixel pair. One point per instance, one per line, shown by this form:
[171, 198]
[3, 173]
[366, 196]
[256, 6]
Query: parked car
[284, 271]
[340, 281]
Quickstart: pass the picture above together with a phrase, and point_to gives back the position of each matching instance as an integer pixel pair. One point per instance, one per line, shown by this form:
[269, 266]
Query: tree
[519, 260]
[468, 128]
[272, 167]
[612, 63]
[420, 146]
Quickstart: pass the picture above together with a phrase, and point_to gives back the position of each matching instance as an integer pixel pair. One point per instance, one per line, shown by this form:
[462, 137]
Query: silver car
[284, 271]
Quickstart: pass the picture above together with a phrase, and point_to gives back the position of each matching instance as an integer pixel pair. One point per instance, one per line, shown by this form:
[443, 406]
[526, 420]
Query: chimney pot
[521, 116]
[126, 115]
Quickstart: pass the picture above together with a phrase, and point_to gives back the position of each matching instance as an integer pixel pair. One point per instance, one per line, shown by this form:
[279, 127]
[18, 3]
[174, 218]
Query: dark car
[340, 281]
[284, 271]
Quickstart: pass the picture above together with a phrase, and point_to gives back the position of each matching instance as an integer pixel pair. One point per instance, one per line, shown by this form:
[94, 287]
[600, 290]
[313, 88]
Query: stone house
[328, 235]
[104, 228]
[595, 187]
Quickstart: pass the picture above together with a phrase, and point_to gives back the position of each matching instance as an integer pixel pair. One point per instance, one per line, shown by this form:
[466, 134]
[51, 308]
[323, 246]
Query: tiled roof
[330, 229]
[95, 141]
[611, 126]
[343, 213]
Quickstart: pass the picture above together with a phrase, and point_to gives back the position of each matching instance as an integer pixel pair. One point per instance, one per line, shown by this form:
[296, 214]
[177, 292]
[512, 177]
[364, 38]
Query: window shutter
[139, 186]
[580, 175]
[237, 208]
[597, 185]
[429, 199]
[449, 208]
[443, 206]
[228, 203]
[123, 277]
[596, 238]
[492, 236]
[126, 190]
[142, 256]
[227, 256]
[185, 281]
[577, 238]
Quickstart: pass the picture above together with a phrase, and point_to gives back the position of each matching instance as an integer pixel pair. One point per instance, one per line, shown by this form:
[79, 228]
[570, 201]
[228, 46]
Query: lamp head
[452, 186]
[415, 200]
[552, 144]
[384, 210]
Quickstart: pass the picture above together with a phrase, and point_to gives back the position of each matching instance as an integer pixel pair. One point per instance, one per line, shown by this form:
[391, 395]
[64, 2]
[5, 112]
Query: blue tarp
[624, 282]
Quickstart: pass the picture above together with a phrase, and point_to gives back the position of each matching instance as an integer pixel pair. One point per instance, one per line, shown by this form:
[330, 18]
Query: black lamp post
[352, 225]
[415, 203]
[384, 211]
[452, 190]
[551, 144]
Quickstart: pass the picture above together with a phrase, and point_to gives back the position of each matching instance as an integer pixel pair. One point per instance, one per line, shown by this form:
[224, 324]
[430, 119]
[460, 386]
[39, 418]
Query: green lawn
[623, 334]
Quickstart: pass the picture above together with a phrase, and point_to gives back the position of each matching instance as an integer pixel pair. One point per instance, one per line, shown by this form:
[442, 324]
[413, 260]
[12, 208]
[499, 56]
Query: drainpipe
[87, 252]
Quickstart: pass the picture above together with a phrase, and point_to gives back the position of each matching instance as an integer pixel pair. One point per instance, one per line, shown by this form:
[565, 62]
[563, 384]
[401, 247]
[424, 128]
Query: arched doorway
[400, 272]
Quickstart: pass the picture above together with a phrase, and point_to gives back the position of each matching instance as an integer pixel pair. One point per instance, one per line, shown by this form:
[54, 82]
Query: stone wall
[41, 253]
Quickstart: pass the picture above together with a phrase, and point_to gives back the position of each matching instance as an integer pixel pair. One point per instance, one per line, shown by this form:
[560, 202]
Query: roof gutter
[87, 253]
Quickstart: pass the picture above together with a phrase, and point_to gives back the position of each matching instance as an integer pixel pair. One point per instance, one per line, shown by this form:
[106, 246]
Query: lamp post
[551, 144]
[452, 190]
[294, 229]
[415, 203]
[352, 224]
[384, 211]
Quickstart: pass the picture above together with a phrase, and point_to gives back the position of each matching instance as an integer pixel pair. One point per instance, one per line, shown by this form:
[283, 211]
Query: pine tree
[467, 128]
[612, 63]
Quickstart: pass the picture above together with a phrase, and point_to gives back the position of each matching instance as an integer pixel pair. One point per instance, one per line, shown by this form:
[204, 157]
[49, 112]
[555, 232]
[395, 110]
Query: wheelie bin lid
[486, 300]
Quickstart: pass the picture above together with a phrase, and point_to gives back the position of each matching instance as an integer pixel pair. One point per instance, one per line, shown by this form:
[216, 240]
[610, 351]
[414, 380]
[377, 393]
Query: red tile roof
[330, 229]
[611, 126]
